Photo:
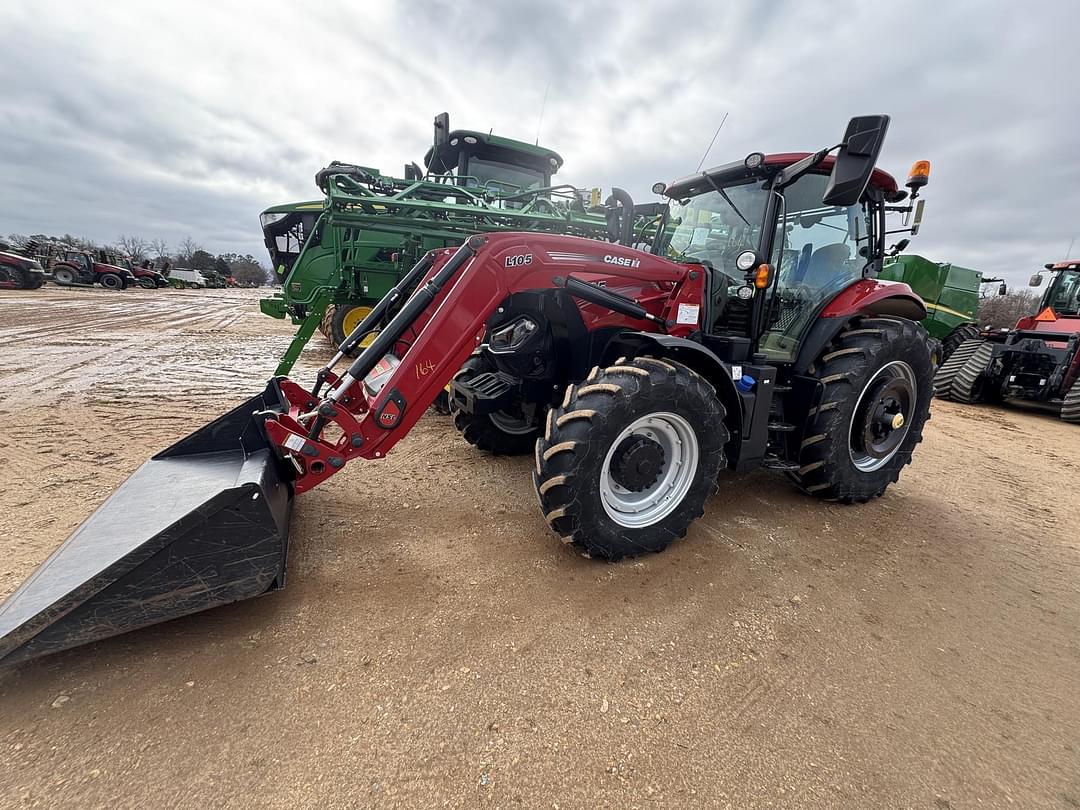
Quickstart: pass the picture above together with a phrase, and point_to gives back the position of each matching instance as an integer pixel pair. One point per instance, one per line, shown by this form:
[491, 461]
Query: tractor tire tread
[569, 456]
[826, 470]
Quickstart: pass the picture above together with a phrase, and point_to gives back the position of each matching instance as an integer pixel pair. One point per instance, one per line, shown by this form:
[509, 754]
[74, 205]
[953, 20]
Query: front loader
[761, 339]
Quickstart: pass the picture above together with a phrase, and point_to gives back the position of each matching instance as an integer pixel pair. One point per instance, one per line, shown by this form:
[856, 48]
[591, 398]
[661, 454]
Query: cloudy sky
[169, 119]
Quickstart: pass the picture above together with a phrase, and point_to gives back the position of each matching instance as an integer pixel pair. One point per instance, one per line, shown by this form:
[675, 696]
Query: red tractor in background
[73, 267]
[760, 338]
[1037, 361]
[145, 275]
[19, 272]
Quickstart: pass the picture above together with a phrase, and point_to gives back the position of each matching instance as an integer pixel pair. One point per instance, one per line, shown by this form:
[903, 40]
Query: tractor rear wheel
[505, 433]
[111, 281]
[630, 457]
[877, 376]
[65, 276]
[344, 319]
[1070, 408]
[955, 339]
[967, 387]
[947, 371]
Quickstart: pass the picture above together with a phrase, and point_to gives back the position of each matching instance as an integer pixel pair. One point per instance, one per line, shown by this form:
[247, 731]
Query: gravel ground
[437, 646]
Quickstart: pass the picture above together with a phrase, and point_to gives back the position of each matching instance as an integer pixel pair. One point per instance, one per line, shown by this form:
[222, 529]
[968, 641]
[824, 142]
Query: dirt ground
[437, 646]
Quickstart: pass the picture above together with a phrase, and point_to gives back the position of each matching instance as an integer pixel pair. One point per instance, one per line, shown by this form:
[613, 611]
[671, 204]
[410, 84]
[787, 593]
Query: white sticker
[688, 313]
[736, 372]
[294, 442]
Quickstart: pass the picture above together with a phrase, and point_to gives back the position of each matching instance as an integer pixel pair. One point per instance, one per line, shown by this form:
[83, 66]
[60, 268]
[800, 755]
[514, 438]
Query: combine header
[761, 339]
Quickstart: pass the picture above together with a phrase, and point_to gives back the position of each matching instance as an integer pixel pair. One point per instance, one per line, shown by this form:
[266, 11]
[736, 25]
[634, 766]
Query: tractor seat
[827, 264]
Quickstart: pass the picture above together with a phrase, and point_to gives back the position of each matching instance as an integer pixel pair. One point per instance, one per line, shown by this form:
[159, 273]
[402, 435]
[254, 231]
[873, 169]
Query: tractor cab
[1062, 295]
[782, 236]
[486, 162]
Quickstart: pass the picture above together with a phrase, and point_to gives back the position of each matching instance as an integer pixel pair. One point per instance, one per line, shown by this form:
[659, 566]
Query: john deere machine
[1038, 361]
[761, 338]
[337, 257]
[951, 294]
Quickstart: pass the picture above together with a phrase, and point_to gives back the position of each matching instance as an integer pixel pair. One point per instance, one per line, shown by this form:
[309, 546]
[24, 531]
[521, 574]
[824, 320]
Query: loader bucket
[202, 524]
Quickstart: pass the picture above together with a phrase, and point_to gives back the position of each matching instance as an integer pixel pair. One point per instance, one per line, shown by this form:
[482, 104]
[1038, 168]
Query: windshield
[1064, 293]
[494, 173]
[716, 229]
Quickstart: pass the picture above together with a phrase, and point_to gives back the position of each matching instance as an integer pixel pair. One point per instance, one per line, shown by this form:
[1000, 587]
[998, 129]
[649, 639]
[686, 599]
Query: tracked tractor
[761, 339]
[337, 257]
[19, 272]
[1038, 361]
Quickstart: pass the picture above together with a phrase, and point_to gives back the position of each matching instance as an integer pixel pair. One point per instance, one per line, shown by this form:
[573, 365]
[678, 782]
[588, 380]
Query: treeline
[245, 268]
[1003, 311]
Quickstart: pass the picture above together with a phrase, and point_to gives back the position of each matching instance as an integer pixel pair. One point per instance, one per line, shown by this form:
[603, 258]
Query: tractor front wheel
[111, 281]
[630, 457]
[877, 376]
[147, 283]
[505, 433]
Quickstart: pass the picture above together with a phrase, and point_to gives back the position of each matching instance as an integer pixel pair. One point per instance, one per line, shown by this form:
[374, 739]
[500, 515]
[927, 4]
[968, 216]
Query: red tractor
[759, 339]
[73, 267]
[145, 275]
[19, 272]
[1038, 361]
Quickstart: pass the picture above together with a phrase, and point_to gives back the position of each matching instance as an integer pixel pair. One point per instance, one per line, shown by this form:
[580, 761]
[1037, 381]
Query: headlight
[745, 260]
[511, 336]
[270, 219]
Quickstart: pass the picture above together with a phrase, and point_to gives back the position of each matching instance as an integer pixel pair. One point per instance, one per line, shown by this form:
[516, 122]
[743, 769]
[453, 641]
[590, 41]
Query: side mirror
[856, 160]
[1003, 289]
[1035, 280]
[442, 129]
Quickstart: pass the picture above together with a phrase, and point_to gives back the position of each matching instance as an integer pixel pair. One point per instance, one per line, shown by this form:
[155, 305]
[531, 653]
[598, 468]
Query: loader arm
[367, 410]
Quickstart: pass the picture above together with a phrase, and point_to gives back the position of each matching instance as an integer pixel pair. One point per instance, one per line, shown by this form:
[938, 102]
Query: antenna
[1068, 252]
[543, 106]
[712, 142]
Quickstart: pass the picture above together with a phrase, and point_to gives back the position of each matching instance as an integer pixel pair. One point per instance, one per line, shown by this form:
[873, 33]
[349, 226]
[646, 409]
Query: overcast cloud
[175, 119]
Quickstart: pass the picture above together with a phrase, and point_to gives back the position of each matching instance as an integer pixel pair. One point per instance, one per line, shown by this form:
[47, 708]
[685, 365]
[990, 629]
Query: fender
[865, 297]
[692, 355]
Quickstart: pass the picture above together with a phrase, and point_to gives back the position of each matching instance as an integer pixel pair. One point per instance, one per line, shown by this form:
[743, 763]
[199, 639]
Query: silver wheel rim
[897, 370]
[513, 425]
[636, 510]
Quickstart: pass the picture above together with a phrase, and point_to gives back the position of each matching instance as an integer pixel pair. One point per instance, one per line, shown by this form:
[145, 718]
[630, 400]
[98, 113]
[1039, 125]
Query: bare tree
[134, 246]
[188, 248]
[158, 249]
[1003, 311]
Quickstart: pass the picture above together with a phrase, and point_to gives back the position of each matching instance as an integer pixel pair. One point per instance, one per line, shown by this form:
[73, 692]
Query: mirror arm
[796, 170]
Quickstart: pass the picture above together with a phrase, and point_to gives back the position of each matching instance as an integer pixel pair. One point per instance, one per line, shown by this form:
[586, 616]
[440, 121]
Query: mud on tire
[850, 452]
[586, 456]
[498, 434]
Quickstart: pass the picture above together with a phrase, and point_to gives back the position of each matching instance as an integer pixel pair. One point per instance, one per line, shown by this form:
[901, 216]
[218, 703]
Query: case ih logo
[622, 261]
